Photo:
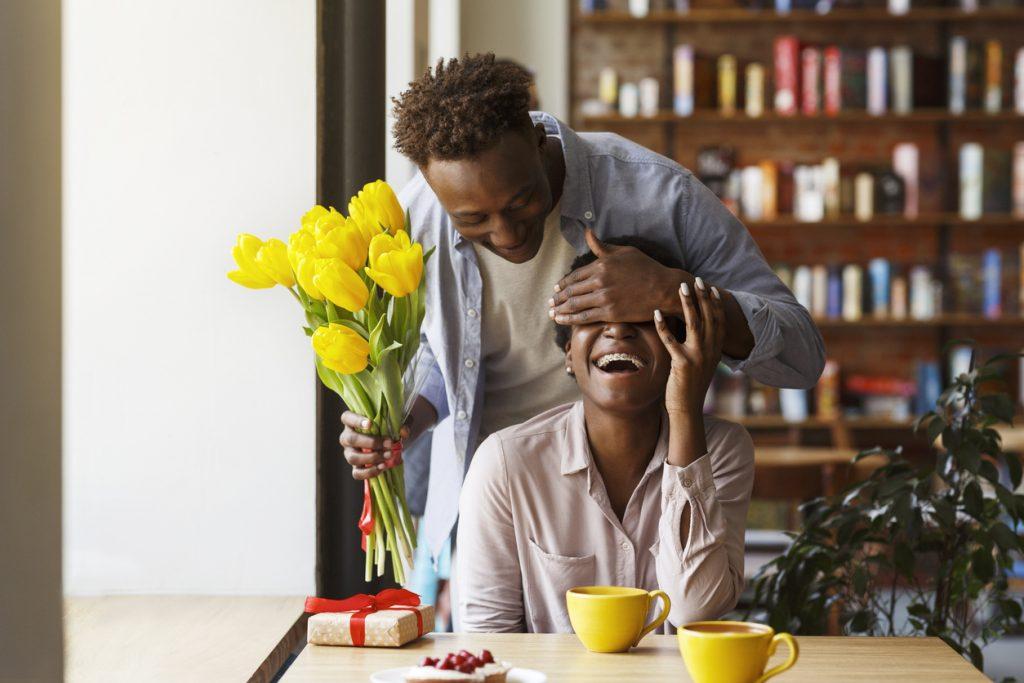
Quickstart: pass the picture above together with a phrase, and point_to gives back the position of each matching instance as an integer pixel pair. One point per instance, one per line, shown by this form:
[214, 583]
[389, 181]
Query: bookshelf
[642, 47]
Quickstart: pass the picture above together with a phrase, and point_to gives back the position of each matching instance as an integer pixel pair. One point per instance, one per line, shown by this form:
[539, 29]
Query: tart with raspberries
[459, 666]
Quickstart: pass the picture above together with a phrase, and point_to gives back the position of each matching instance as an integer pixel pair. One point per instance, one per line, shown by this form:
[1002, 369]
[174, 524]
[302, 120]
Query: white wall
[532, 32]
[189, 442]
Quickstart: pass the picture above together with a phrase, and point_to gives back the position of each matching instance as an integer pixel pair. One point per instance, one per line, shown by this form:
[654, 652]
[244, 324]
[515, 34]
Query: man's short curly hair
[461, 108]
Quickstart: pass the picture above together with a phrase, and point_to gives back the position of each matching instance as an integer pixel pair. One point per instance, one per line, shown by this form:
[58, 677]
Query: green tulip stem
[382, 499]
[395, 504]
[397, 483]
[404, 507]
[381, 554]
[370, 541]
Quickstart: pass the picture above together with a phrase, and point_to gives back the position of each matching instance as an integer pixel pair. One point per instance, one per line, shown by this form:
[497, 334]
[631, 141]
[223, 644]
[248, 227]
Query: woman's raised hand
[695, 358]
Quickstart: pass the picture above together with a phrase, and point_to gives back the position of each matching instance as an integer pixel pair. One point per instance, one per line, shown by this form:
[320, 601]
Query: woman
[631, 486]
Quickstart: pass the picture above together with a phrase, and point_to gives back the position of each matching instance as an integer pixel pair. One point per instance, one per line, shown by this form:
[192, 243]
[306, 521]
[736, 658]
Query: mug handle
[794, 652]
[660, 619]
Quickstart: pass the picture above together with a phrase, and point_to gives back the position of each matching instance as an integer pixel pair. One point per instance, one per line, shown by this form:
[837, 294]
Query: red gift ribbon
[362, 605]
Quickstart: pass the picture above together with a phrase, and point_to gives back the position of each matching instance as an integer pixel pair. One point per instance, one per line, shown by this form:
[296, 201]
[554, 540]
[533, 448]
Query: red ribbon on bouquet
[363, 605]
[366, 516]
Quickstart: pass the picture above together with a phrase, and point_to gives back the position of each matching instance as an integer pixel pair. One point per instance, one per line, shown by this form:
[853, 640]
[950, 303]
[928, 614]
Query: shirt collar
[576, 455]
[577, 198]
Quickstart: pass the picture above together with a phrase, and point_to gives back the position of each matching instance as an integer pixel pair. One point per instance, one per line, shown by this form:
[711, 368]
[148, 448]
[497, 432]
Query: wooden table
[564, 660]
[179, 638]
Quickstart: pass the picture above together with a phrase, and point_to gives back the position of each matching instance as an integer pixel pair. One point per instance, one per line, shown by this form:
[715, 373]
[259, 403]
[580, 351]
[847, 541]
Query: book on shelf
[794, 404]
[905, 164]
[960, 357]
[922, 295]
[834, 305]
[898, 7]
[853, 292]
[901, 62]
[864, 196]
[786, 61]
[1018, 82]
[769, 190]
[754, 90]
[649, 97]
[853, 83]
[832, 58]
[809, 193]
[810, 81]
[970, 180]
[957, 74]
[727, 85]
[965, 283]
[629, 100]
[975, 75]
[996, 175]
[826, 392]
[929, 386]
[992, 281]
[803, 286]
[682, 80]
[819, 292]
[882, 396]
[877, 81]
[993, 76]
[879, 275]
[830, 186]
[751, 192]
[608, 86]
[639, 8]
[1018, 180]
[898, 294]
[714, 165]
[783, 272]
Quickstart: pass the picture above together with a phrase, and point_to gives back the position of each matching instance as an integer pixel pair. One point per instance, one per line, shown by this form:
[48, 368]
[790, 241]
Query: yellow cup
[732, 651]
[611, 618]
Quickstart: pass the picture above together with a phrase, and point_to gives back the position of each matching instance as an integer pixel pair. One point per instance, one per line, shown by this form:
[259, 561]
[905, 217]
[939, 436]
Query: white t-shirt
[524, 371]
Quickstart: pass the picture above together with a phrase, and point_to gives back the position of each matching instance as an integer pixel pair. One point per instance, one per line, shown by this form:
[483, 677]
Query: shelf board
[711, 116]
[778, 422]
[745, 16]
[951, 320]
[892, 221]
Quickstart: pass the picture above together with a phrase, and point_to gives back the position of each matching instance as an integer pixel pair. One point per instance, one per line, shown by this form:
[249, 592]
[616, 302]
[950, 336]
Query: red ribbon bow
[363, 604]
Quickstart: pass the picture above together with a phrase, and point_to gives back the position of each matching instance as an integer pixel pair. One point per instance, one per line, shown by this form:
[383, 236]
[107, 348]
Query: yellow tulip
[340, 284]
[376, 208]
[341, 349]
[310, 218]
[300, 245]
[341, 238]
[272, 259]
[304, 273]
[395, 263]
[249, 274]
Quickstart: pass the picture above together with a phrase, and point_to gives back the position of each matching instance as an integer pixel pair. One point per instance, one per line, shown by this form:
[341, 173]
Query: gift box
[391, 618]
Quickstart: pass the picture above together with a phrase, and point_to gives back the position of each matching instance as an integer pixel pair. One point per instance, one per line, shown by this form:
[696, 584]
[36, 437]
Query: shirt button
[470, 362]
[588, 215]
[471, 313]
[687, 483]
[461, 415]
[624, 545]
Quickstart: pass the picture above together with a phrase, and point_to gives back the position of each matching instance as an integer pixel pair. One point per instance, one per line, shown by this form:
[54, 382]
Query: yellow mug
[732, 651]
[611, 618]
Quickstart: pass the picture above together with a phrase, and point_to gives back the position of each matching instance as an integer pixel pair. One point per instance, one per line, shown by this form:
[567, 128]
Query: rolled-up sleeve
[431, 381]
[788, 348]
[487, 568]
[699, 552]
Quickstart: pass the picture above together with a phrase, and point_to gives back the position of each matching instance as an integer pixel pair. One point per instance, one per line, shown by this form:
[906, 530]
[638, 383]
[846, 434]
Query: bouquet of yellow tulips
[359, 280]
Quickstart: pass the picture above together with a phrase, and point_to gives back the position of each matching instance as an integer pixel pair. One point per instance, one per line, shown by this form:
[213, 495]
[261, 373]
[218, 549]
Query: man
[509, 198]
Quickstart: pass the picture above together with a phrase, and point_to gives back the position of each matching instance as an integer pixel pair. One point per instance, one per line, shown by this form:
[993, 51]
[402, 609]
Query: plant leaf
[1004, 536]
[974, 503]
[982, 564]
[903, 558]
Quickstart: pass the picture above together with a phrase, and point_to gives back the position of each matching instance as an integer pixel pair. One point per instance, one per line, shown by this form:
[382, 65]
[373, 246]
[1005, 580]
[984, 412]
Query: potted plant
[914, 550]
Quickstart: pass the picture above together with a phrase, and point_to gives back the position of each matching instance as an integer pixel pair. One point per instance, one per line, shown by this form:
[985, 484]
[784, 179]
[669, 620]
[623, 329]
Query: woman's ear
[568, 357]
[542, 135]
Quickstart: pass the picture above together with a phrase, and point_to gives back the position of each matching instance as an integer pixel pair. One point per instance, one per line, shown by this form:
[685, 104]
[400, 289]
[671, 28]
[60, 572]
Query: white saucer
[515, 675]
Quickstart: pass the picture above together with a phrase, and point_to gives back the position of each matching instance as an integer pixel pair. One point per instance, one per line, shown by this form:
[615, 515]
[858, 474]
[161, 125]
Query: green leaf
[974, 502]
[968, 456]
[860, 580]
[989, 471]
[861, 621]
[374, 341]
[998, 405]
[1007, 500]
[935, 428]
[944, 512]
[329, 379]
[982, 564]
[1013, 466]
[920, 610]
[903, 558]
[1011, 608]
[308, 331]
[977, 659]
[1004, 536]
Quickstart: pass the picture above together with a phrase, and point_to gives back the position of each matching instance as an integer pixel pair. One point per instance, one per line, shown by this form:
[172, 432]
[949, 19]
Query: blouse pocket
[548, 578]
